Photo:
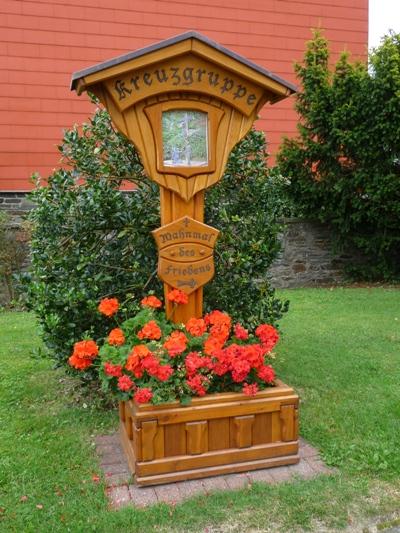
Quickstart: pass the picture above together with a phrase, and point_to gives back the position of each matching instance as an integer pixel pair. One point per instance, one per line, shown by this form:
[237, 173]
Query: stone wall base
[307, 258]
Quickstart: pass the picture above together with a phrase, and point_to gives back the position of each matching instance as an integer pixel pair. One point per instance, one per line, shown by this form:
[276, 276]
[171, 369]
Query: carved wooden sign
[184, 103]
[186, 248]
[188, 73]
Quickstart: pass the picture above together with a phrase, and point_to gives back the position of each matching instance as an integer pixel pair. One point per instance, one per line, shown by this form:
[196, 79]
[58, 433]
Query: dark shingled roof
[168, 42]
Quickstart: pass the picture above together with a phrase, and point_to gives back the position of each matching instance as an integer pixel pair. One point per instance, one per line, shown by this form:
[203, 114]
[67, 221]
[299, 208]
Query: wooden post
[173, 207]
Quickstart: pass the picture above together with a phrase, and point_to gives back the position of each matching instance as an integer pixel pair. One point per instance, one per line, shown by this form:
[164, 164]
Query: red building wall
[43, 41]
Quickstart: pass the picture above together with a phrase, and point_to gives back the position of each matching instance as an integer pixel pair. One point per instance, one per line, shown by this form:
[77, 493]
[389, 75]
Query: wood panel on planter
[216, 434]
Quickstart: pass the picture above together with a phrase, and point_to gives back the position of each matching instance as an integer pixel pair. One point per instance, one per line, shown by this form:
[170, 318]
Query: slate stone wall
[306, 258]
[15, 202]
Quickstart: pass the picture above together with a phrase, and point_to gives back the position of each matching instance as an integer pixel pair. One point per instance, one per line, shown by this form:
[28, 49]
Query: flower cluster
[83, 354]
[149, 358]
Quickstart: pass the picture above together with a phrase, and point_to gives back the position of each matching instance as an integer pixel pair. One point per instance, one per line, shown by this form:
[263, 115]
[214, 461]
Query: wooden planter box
[217, 434]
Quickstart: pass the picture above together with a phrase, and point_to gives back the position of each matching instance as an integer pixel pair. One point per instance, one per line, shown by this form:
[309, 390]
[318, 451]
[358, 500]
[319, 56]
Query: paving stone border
[121, 490]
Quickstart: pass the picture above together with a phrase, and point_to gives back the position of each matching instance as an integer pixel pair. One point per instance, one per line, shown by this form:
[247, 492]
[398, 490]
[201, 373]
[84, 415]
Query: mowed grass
[340, 348]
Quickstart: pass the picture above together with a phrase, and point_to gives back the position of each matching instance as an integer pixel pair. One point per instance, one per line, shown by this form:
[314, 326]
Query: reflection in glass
[185, 140]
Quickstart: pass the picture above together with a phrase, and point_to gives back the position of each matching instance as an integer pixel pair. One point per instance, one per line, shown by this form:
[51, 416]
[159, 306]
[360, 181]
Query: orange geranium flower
[140, 351]
[178, 297]
[212, 344]
[176, 343]
[78, 363]
[217, 318]
[132, 364]
[108, 306]
[116, 337]
[220, 331]
[151, 301]
[196, 327]
[83, 354]
[150, 331]
[87, 349]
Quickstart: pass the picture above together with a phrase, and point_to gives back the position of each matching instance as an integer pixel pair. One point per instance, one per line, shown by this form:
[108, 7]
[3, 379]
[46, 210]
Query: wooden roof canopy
[188, 72]
[188, 42]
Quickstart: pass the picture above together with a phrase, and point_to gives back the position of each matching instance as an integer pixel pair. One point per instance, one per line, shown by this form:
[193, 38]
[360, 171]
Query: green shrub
[91, 240]
[345, 164]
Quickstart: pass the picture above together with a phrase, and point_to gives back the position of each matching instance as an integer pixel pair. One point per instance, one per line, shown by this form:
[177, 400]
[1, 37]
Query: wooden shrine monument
[185, 103]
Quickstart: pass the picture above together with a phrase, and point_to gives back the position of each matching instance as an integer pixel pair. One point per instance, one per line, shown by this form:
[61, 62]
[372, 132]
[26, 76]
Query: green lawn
[340, 349]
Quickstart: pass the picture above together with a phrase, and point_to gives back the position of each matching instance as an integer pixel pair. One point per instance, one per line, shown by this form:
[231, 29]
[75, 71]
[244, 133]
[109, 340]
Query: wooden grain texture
[185, 262]
[287, 417]
[129, 449]
[262, 430]
[175, 440]
[215, 434]
[231, 468]
[182, 195]
[149, 430]
[173, 207]
[216, 458]
[218, 434]
[238, 408]
[197, 437]
[242, 430]
[121, 409]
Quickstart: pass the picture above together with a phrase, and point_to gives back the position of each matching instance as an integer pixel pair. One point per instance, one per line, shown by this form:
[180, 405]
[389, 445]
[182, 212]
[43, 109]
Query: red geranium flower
[116, 337]
[240, 370]
[150, 331]
[241, 333]
[125, 383]
[108, 306]
[196, 327]
[220, 331]
[140, 351]
[150, 364]
[178, 297]
[164, 372]
[220, 368]
[196, 383]
[193, 362]
[113, 370]
[268, 335]
[151, 301]
[266, 373]
[250, 390]
[143, 395]
[254, 354]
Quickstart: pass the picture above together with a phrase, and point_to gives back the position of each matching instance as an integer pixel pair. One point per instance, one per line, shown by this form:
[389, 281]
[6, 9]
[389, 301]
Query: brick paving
[121, 490]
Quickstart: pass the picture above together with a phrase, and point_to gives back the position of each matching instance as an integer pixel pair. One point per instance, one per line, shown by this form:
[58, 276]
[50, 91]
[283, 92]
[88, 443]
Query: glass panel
[185, 139]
